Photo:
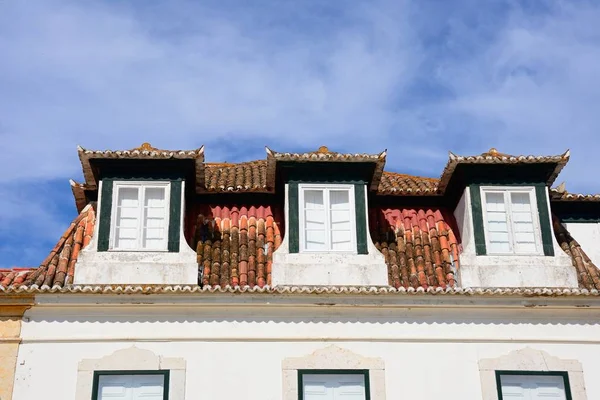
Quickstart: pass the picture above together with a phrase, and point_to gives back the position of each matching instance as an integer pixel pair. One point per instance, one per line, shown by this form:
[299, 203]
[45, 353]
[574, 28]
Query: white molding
[528, 359]
[131, 359]
[333, 357]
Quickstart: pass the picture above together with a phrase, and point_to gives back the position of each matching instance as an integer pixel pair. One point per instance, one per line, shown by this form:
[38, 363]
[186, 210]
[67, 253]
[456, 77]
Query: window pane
[520, 202]
[495, 202]
[130, 387]
[341, 240]
[126, 238]
[533, 387]
[499, 247]
[154, 232]
[340, 220]
[314, 219]
[128, 197]
[340, 199]
[494, 226]
[313, 199]
[155, 197]
[315, 240]
[333, 387]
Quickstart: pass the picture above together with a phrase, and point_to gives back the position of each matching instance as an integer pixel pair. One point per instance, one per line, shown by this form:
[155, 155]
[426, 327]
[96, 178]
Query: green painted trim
[579, 220]
[294, 218]
[361, 219]
[564, 374]
[165, 372]
[105, 215]
[174, 217]
[477, 212]
[544, 217]
[364, 372]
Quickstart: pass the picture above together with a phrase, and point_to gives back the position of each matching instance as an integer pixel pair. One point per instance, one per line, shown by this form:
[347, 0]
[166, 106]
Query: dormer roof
[143, 152]
[494, 157]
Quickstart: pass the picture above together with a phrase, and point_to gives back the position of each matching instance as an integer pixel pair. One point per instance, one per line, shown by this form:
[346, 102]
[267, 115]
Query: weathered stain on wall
[11, 315]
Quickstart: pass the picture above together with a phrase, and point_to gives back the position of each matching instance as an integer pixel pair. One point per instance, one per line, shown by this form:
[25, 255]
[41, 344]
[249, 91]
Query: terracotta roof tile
[59, 267]
[401, 184]
[235, 243]
[242, 177]
[419, 246]
[324, 154]
[145, 151]
[494, 157]
[563, 195]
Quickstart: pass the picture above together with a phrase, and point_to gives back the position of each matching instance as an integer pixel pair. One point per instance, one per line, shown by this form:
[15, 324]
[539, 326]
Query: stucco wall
[237, 352]
[588, 236]
[10, 328]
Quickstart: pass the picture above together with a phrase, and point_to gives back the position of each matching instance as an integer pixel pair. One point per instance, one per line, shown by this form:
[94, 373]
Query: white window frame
[97, 385]
[326, 188]
[506, 191]
[527, 374]
[113, 223]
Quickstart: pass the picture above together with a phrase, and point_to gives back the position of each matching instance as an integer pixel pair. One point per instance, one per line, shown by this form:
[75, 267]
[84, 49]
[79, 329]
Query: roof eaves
[328, 290]
[145, 151]
[493, 157]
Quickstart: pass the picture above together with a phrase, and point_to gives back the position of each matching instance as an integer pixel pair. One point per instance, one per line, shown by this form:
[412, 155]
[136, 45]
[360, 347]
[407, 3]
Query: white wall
[236, 352]
[587, 235]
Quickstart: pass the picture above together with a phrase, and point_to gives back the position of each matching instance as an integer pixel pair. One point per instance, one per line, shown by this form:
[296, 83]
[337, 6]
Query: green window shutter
[174, 216]
[294, 215]
[105, 215]
[361, 220]
[542, 205]
[477, 212]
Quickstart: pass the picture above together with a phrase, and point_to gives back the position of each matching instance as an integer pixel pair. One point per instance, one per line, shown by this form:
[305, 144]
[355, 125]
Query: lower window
[131, 385]
[333, 385]
[533, 385]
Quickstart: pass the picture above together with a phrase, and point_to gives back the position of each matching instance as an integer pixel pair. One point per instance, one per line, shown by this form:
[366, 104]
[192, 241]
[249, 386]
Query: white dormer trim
[137, 267]
[509, 270]
[327, 268]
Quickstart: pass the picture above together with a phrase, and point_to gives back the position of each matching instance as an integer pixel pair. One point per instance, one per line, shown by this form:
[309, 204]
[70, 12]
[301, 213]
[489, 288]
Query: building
[313, 276]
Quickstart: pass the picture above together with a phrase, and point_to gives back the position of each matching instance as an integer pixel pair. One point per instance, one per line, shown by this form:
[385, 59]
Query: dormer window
[327, 218]
[511, 220]
[140, 213]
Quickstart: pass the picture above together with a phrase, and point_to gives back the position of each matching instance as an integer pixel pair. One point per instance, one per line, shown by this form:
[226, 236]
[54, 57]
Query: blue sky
[418, 77]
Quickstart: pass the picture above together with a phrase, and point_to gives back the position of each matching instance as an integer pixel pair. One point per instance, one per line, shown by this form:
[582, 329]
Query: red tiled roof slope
[251, 176]
[418, 244]
[235, 244]
[59, 267]
[394, 183]
[247, 176]
[588, 274]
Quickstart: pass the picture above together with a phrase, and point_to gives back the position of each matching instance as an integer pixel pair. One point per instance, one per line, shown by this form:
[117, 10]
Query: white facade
[245, 347]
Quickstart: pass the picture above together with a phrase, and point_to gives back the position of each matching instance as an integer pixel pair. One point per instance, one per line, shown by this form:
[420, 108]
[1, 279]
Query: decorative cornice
[300, 290]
